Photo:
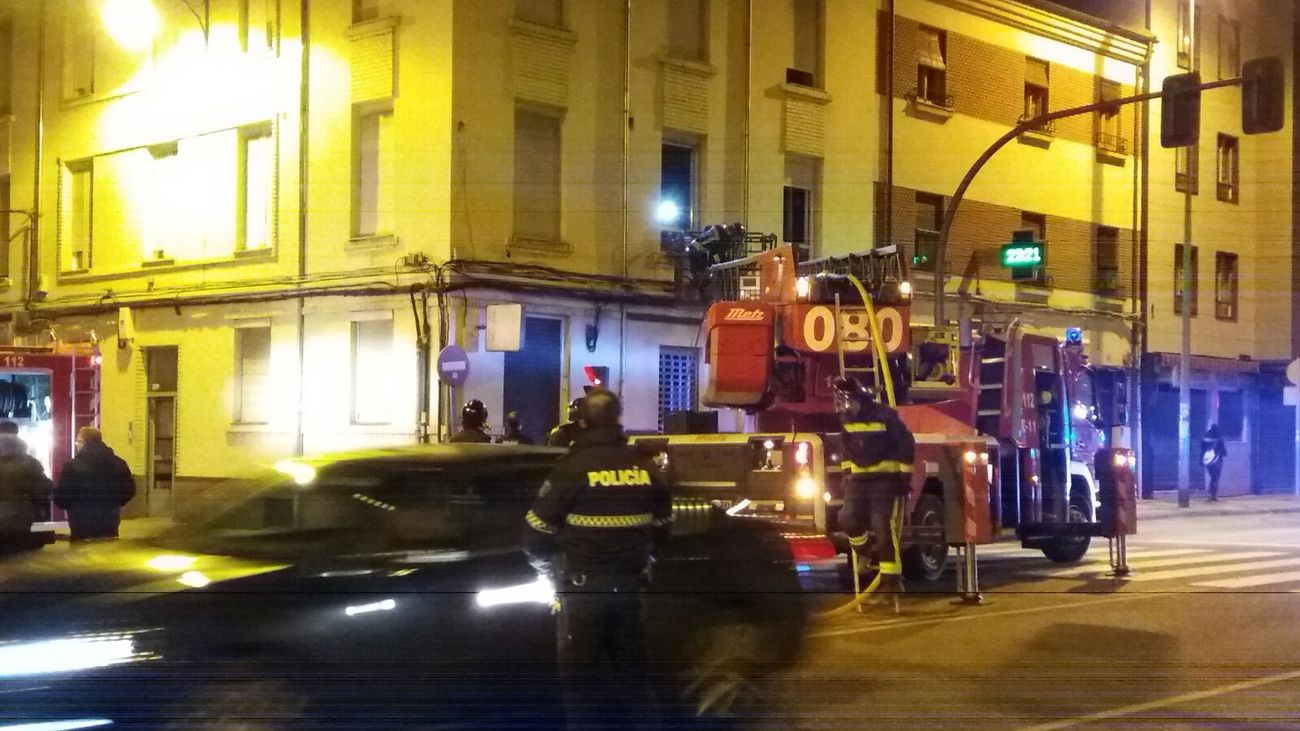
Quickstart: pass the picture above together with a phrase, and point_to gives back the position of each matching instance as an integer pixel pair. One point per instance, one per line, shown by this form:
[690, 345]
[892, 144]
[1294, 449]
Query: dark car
[375, 589]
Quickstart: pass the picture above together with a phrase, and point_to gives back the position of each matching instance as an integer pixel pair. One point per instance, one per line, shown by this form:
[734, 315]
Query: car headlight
[64, 655]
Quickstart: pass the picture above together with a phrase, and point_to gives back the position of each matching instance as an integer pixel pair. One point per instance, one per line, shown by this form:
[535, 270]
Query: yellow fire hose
[861, 595]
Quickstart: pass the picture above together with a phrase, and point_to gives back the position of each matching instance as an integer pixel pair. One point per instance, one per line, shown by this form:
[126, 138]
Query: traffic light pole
[940, 272]
[1185, 354]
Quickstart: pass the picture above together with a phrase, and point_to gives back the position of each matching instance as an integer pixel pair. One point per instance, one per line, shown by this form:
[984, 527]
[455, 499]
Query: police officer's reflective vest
[878, 444]
[604, 506]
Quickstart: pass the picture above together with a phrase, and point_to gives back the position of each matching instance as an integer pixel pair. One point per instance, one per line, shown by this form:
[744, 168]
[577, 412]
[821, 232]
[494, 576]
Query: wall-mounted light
[133, 24]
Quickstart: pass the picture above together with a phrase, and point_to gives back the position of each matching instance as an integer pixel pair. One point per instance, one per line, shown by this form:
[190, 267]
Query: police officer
[565, 434]
[514, 433]
[473, 424]
[594, 529]
[878, 450]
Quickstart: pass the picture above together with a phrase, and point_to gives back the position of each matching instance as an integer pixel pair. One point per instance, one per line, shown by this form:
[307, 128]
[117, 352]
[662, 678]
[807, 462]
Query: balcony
[931, 103]
[1111, 148]
[1040, 135]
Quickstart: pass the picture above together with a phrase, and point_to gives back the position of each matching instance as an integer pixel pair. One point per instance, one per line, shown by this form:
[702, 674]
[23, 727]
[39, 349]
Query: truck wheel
[1070, 549]
[926, 561]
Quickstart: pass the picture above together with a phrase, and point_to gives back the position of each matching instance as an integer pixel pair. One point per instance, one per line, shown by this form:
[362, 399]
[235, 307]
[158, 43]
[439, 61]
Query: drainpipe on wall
[627, 143]
[31, 267]
[304, 95]
[889, 133]
[749, 105]
[1145, 379]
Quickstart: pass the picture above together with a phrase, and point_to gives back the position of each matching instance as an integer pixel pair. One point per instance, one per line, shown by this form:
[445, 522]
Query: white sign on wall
[505, 327]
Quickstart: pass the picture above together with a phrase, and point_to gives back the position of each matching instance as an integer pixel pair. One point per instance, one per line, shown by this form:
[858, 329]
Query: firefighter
[878, 452]
[473, 424]
[565, 434]
[594, 529]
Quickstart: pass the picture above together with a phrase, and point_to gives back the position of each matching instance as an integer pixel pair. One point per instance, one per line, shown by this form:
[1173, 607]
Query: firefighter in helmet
[565, 434]
[473, 424]
[878, 450]
[594, 529]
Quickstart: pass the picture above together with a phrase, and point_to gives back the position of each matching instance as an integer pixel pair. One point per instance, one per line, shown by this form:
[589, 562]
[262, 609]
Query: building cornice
[1111, 41]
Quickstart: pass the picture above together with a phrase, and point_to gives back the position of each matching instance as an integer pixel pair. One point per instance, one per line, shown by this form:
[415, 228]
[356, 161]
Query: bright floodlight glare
[194, 579]
[62, 656]
[69, 725]
[171, 562]
[301, 473]
[540, 591]
[382, 606]
[805, 487]
[132, 24]
[905, 289]
[802, 286]
[1080, 411]
[668, 212]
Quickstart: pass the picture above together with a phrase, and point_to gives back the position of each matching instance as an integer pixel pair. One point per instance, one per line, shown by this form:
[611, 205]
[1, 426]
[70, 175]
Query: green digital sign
[1020, 254]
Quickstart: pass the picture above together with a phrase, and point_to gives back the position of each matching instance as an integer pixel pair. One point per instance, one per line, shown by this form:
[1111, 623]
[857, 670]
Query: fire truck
[1013, 428]
[50, 393]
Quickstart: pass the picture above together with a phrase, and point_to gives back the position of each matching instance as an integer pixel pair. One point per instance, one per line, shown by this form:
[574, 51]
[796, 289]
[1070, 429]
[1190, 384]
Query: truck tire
[926, 561]
[1070, 549]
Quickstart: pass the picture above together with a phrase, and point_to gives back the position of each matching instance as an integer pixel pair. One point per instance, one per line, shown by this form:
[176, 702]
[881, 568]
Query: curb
[1176, 512]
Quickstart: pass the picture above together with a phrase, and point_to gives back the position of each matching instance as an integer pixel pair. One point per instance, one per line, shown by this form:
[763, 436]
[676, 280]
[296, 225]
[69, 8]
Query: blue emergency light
[1074, 335]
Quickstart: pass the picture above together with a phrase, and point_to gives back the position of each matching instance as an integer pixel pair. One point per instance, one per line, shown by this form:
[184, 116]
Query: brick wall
[980, 230]
[988, 82]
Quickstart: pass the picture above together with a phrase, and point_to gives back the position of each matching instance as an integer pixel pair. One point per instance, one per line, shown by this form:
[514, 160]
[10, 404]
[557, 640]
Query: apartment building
[272, 216]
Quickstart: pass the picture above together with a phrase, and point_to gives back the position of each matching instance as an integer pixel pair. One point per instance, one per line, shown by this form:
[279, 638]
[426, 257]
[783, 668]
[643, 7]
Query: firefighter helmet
[474, 415]
[851, 395]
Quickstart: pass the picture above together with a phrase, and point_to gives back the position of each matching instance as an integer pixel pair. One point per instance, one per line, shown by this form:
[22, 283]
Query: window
[1225, 286]
[806, 66]
[1178, 279]
[929, 222]
[799, 209]
[1229, 48]
[542, 12]
[678, 381]
[372, 182]
[1232, 415]
[372, 345]
[253, 374]
[931, 72]
[256, 24]
[688, 29]
[1189, 53]
[537, 176]
[1187, 164]
[1036, 222]
[1036, 86]
[1107, 259]
[1110, 137]
[79, 49]
[75, 215]
[1227, 169]
[256, 187]
[677, 188]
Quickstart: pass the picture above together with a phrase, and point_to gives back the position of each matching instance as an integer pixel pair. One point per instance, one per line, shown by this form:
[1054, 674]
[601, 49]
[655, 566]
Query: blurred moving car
[376, 589]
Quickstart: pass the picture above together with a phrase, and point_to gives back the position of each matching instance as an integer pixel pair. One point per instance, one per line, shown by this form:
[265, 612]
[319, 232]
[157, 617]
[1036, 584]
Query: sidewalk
[1165, 505]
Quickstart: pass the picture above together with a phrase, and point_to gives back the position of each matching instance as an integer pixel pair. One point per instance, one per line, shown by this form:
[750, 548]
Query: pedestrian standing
[878, 452]
[93, 487]
[594, 529]
[473, 424]
[565, 434]
[514, 433]
[1213, 454]
[24, 490]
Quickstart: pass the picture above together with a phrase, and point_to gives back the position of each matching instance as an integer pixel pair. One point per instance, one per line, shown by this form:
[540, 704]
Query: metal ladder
[992, 384]
[847, 371]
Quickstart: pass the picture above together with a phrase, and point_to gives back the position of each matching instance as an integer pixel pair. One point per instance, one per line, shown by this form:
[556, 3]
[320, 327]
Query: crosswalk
[1199, 568]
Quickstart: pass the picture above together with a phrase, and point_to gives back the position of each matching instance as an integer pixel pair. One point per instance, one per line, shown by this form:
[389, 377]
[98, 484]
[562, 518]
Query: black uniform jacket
[564, 435]
[878, 445]
[604, 507]
[471, 436]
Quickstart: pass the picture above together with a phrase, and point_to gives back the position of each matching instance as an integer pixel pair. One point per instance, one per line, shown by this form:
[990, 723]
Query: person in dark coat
[1213, 453]
[93, 487]
[473, 424]
[514, 433]
[566, 434]
[24, 492]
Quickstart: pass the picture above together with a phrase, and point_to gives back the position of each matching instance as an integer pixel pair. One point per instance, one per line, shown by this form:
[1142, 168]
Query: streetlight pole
[1185, 355]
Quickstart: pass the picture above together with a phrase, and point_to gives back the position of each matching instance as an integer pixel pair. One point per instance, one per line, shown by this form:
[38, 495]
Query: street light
[133, 24]
[668, 212]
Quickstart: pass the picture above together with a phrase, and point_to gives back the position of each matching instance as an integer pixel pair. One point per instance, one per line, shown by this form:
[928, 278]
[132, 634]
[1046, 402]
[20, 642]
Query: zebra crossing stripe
[1248, 581]
[1192, 560]
[1143, 562]
[1226, 568]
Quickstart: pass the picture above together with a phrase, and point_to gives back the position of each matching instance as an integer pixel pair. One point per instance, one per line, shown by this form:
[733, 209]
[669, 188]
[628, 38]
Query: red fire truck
[50, 393]
[1012, 428]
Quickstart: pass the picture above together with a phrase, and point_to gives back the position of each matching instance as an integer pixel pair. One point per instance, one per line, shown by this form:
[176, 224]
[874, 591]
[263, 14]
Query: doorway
[532, 378]
[160, 459]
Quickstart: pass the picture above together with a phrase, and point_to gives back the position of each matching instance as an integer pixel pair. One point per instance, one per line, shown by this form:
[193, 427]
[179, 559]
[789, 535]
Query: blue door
[532, 378]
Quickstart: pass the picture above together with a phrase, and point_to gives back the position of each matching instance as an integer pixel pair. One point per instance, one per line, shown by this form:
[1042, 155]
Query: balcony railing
[937, 100]
[1046, 128]
[1112, 143]
[1228, 192]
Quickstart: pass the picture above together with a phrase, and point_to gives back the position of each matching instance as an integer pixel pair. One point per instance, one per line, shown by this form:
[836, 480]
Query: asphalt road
[1204, 634]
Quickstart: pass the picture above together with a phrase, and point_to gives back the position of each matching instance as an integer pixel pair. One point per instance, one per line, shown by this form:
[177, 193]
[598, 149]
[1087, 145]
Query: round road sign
[453, 365]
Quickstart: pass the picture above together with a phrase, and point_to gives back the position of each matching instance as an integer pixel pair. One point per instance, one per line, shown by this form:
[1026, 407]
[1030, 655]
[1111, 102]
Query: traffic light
[1263, 86]
[1180, 110]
